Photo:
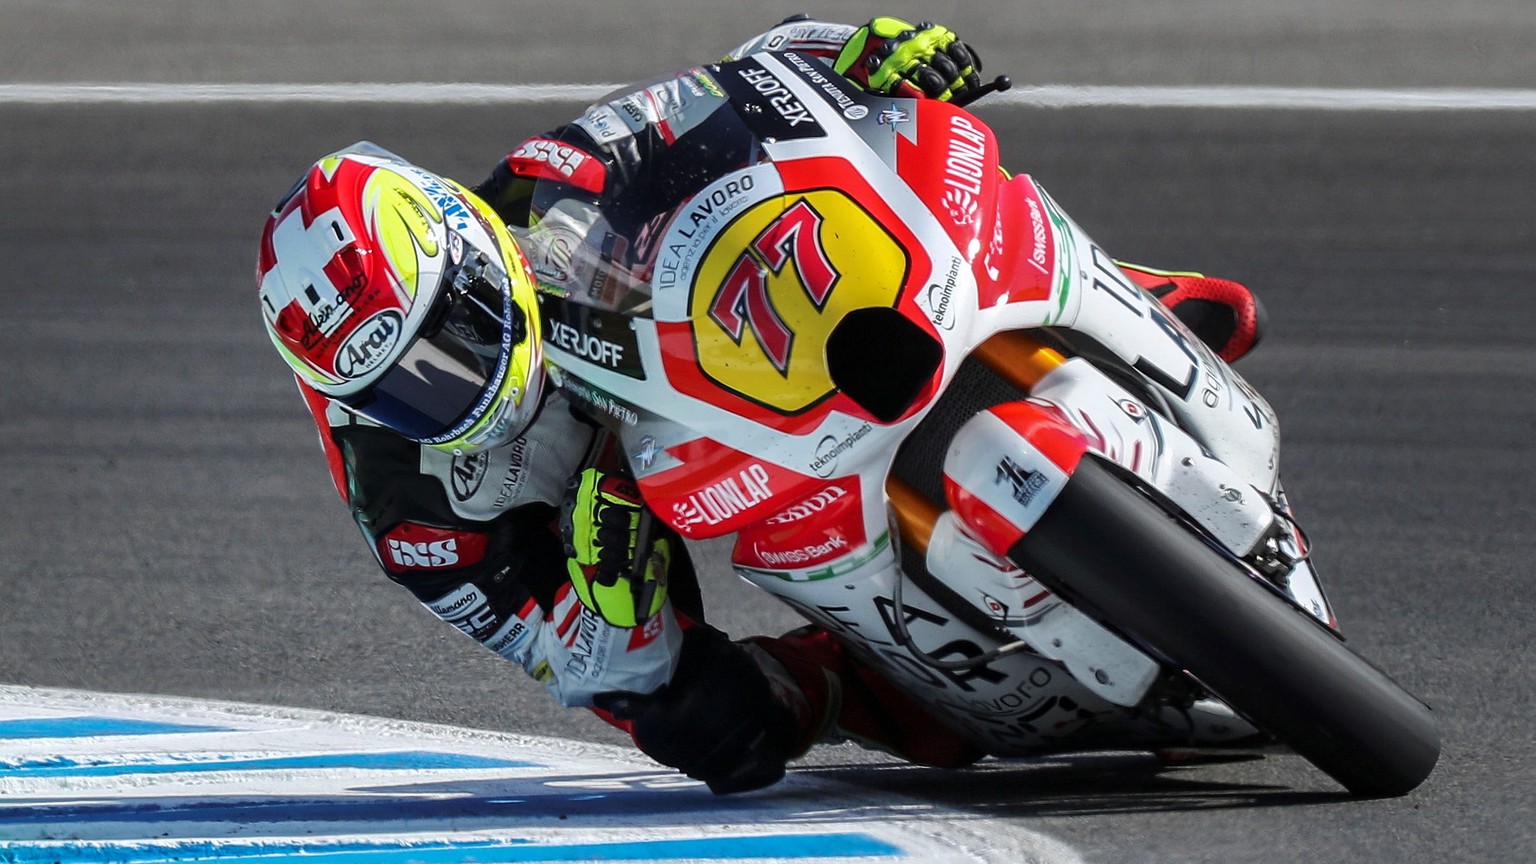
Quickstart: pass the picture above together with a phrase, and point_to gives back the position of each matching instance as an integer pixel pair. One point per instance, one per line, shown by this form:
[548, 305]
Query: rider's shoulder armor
[531, 469]
[471, 487]
[434, 520]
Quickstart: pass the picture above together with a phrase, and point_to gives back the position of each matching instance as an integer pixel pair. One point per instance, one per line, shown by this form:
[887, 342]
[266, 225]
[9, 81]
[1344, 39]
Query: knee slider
[716, 720]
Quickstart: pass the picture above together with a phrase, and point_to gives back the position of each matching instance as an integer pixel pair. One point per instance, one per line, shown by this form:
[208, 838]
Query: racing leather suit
[473, 537]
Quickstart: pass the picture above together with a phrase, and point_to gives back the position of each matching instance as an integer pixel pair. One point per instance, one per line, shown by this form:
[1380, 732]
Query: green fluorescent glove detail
[601, 525]
[893, 57]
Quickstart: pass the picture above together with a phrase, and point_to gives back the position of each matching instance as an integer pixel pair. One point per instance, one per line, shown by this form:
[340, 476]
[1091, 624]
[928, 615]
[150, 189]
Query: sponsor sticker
[410, 546]
[467, 473]
[832, 88]
[368, 346]
[593, 335]
[1023, 483]
[766, 104]
[938, 300]
[726, 499]
[810, 506]
[830, 448]
[803, 556]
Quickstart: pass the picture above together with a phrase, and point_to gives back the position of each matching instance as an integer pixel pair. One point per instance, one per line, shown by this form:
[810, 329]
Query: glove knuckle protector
[892, 56]
[599, 528]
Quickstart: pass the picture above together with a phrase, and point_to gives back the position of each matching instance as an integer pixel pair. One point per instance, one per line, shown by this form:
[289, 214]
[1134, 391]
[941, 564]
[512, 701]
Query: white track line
[1043, 96]
[1304, 98]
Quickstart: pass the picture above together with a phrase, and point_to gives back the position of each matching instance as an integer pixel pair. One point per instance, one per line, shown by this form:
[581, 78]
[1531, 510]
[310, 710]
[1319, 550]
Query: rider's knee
[718, 720]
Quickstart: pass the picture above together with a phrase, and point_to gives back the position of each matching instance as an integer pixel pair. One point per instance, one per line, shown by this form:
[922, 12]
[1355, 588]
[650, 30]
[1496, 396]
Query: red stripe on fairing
[1047, 430]
[1020, 258]
[1099, 442]
[1043, 595]
[952, 164]
[993, 529]
[662, 124]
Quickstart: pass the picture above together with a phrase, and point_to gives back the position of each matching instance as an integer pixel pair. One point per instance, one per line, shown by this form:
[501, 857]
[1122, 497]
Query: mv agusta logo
[774, 284]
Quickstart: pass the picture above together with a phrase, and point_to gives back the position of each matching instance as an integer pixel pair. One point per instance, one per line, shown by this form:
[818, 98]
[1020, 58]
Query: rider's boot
[834, 697]
[1224, 314]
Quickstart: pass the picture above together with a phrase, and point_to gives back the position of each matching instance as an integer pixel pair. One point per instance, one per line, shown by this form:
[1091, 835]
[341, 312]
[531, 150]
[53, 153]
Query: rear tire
[1122, 559]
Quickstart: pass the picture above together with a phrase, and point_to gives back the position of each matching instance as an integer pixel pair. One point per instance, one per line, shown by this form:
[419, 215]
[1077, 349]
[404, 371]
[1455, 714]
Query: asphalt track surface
[167, 525]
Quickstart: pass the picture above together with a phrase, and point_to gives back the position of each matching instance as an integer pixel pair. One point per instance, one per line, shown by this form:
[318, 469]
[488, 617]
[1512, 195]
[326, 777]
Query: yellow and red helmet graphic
[353, 260]
[353, 256]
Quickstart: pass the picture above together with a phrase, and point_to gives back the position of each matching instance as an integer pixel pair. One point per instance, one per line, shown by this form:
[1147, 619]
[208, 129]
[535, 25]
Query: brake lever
[996, 85]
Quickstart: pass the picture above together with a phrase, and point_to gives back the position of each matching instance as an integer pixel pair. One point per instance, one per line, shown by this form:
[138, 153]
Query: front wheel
[1124, 560]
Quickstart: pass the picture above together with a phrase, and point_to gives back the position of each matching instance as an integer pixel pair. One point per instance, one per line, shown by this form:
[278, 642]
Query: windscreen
[660, 144]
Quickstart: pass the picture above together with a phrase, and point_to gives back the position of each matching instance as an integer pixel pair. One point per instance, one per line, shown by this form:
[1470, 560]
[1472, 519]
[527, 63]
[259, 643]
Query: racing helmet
[401, 296]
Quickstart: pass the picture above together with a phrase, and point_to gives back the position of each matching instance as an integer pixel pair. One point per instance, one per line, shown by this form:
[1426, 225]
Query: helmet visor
[454, 368]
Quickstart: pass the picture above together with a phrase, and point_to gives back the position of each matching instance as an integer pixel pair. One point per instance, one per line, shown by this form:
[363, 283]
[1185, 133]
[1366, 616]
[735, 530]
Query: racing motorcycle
[944, 425]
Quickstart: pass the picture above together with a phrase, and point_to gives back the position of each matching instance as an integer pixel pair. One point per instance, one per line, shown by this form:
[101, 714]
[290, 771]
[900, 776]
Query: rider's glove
[600, 523]
[894, 58]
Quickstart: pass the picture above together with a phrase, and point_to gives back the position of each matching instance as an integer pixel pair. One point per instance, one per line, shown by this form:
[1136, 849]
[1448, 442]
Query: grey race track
[167, 525]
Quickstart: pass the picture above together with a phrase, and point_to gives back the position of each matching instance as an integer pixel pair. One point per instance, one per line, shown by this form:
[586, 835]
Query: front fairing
[748, 208]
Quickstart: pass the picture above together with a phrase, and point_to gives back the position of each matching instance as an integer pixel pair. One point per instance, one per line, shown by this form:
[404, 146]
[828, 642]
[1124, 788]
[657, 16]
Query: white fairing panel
[1098, 659]
[1126, 432]
[1206, 397]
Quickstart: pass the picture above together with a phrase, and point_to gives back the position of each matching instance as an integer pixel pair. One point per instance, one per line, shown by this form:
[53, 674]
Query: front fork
[1006, 466]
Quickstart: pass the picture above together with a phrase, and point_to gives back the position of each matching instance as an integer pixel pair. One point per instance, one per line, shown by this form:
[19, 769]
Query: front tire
[1122, 559]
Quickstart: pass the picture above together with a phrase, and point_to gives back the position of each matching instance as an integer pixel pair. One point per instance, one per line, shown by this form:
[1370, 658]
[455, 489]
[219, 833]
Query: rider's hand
[600, 525]
[892, 57]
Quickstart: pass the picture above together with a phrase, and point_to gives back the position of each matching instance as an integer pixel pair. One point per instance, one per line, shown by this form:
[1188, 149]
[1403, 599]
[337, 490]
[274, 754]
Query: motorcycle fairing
[733, 304]
[1096, 300]
[1098, 659]
[799, 472]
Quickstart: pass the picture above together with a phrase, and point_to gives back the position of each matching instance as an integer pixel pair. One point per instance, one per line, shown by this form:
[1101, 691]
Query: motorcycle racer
[408, 312]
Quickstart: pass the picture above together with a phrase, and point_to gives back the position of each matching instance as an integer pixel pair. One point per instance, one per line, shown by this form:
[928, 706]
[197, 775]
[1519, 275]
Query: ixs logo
[442, 553]
[776, 281]
[561, 158]
[409, 546]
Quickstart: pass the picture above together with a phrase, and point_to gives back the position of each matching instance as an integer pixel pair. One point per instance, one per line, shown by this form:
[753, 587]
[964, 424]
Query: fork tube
[1017, 358]
[915, 514]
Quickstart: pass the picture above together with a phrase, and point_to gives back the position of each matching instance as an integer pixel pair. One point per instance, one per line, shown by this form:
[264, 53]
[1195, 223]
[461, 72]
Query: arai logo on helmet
[368, 345]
